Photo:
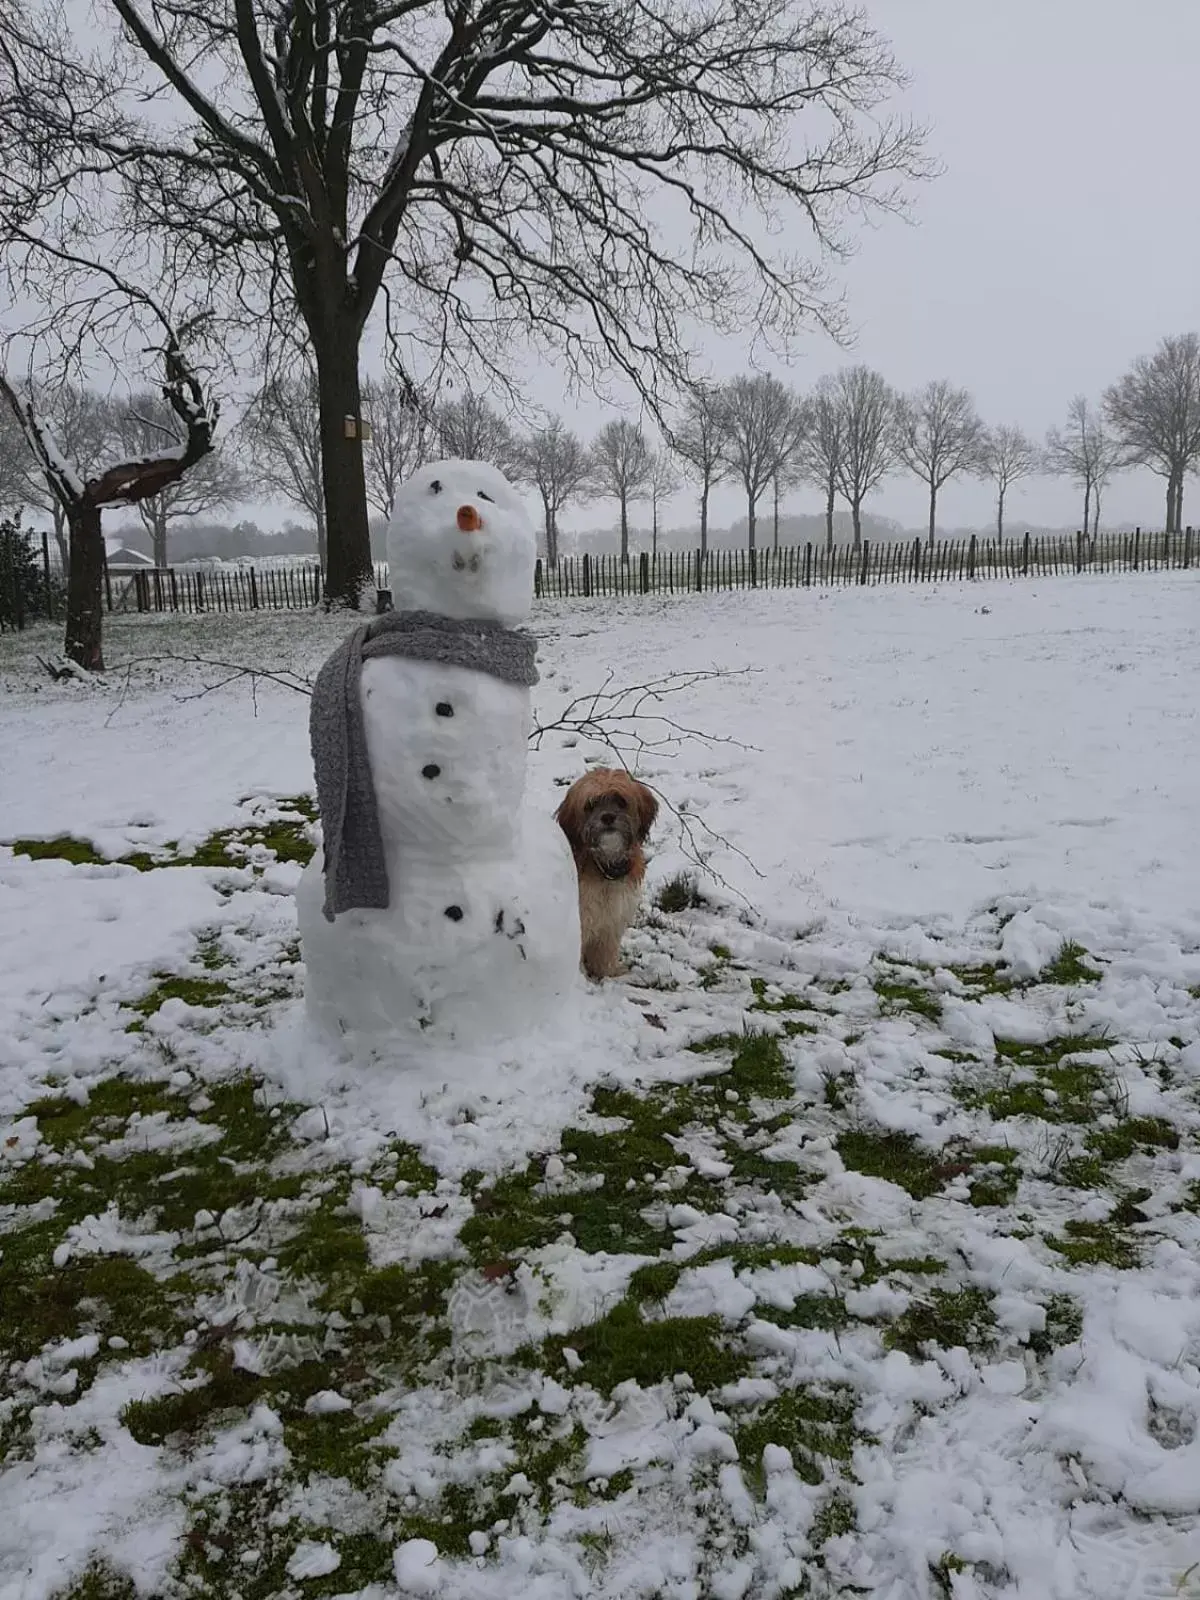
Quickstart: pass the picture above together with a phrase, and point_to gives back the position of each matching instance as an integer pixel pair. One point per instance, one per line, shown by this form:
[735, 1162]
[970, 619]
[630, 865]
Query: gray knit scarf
[355, 870]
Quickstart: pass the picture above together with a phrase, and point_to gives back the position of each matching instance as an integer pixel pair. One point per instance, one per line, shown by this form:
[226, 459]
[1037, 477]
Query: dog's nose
[469, 519]
[608, 818]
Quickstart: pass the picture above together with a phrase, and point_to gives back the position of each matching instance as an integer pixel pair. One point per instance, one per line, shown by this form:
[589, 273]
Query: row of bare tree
[844, 439]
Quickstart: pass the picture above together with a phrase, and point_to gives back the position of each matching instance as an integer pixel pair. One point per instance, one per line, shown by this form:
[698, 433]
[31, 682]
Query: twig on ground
[611, 715]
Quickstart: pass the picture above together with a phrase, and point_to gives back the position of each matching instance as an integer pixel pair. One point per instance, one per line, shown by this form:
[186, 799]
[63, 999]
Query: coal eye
[486, 497]
[436, 486]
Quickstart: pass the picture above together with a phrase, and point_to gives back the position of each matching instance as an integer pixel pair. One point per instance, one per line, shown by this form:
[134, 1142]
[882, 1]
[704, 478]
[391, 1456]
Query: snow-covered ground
[918, 1218]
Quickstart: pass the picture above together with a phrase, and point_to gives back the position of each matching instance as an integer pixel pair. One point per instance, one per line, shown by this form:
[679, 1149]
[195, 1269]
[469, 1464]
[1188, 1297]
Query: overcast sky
[1062, 240]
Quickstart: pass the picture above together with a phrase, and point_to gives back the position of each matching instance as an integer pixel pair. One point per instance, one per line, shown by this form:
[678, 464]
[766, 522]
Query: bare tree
[84, 425]
[1155, 410]
[400, 436]
[761, 424]
[621, 463]
[556, 463]
[470, 429]
[939, 436]
[14, 458]
[148, 425]
[868, 453]
[696, 440]
[819, 455]
[1087, 453]
[664, 482]
[283, 427]
[588, 176]
[1008, 455]
[125, 483]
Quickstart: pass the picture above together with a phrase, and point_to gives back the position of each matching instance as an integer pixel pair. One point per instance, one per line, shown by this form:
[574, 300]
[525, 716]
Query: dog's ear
[647, 810]
[569, 815]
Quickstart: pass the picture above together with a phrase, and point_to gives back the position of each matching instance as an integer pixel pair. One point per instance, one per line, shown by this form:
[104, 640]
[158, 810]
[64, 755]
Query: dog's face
[607, 816]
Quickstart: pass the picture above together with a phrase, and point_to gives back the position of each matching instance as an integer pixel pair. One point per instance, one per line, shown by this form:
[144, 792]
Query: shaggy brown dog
[607, 816]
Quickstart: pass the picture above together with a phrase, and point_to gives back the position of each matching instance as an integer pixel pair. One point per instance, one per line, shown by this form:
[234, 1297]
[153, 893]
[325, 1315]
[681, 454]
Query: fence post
[754, 567]
[537, 579]
[699, 571]
[1025, 555]
[253, 590]
[1187, 547]
[1078, 551]
[587, 575]
[864, 559]
[46, 575]
[971, 557]
[1137, 547]
[644, 572]
[141, 590]
[808, 566]
[916, 561]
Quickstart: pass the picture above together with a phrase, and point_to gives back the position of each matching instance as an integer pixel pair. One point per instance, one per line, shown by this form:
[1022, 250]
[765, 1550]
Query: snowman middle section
[480, 939]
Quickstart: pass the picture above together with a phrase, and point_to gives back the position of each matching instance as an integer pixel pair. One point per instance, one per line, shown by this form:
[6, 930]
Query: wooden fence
[815, 566]
[298, 588]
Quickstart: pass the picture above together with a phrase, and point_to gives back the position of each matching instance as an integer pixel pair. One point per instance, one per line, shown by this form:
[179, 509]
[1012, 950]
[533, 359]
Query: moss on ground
[626, 1344]
[680, 893]
[1070, 967]
[99, 1582]
[816, 1424]
[285, 835]
[621, 1181]
[896, 1157]
[897, 995]
[945, 1319]
[1095, 1244]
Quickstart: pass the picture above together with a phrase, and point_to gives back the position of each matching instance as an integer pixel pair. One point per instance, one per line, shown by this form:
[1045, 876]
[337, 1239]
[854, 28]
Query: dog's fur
[607, 816]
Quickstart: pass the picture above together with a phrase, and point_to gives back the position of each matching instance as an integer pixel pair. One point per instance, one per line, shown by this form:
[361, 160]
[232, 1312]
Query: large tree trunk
[159, 534]
[830, 494]
[1087, 506]
[932, 512]
[322, 541]
[775, 514]
[624, 529]
[85, 589]
[1177, 526]
[1000, 513]
[704, 520]
[349, 570]
[751, 519]
[856, 518]
[654, 527]
[60, 537]
[1096, 515]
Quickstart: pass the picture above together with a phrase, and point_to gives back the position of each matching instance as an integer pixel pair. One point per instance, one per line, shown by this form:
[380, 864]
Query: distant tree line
[844, 439]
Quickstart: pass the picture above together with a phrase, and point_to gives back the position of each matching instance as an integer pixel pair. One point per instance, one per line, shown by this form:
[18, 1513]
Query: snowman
[441, 909]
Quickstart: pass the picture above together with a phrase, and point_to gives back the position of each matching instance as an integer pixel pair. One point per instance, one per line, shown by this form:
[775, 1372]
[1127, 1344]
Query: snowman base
[463, 958]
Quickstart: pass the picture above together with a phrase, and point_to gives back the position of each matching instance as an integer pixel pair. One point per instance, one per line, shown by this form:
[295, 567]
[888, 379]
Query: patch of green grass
[625, 1344]
[63, 1121]
[896, 996]
[63, 848]
[896, 1157]
[618, 1176]
[986, 978]
[208, 992]
[835, 1518]
[781, 1001]
[654, 1281]
[1070, 967]
[99, 1582]
[997, 1183]
[1095, 1244]
[815, 1424]
[1131, 1134]
[680, 893]
[947, 1319]
[1064, 1324]
[1053, 1086]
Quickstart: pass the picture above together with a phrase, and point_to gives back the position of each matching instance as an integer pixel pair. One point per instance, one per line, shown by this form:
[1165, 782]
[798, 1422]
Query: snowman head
[460, 543]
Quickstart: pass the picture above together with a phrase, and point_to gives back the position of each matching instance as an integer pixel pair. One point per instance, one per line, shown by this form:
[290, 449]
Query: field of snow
[850, 1246]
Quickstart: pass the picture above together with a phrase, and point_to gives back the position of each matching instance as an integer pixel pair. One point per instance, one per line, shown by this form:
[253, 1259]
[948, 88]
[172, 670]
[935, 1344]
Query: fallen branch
[606, 716]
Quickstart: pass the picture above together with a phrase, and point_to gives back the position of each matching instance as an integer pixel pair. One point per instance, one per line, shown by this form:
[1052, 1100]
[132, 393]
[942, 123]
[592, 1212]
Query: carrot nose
[469, 519]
